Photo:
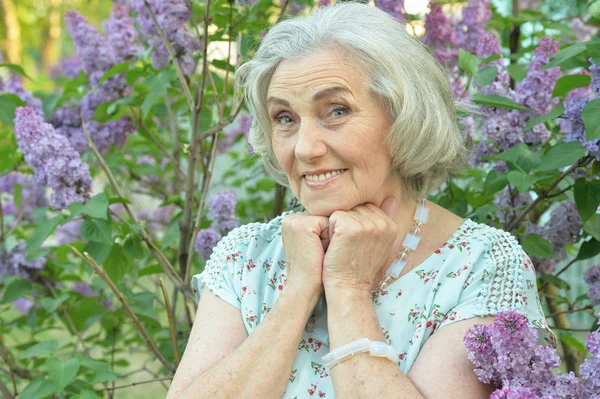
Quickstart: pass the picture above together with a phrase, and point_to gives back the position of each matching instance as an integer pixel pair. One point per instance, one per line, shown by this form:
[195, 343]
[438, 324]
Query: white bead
[396, 268]
[379, 348]
[421, 213]
[411, 241]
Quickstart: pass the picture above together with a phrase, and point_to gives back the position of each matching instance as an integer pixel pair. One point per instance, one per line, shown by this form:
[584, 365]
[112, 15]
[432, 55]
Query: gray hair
[413, 87]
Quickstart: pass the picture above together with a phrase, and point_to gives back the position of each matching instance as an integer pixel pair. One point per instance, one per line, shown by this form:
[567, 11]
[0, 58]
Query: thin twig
[582, 162]
[171, 322]
[224, 96]
[5, 391]
[137, 383]
[583, 309]
[184, 84]
[162, 260]
[176, 142]
[283, 8]
[100, 271]
[566, 267]
[219, 126]
[8, 363]
[18, 219]
[112, 361]
[158, 143]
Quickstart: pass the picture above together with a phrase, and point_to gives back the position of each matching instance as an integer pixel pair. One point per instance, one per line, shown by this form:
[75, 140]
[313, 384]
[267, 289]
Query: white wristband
[344, 352]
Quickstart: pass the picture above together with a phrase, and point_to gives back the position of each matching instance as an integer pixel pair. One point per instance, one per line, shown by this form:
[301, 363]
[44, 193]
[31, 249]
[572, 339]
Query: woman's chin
[325, 209]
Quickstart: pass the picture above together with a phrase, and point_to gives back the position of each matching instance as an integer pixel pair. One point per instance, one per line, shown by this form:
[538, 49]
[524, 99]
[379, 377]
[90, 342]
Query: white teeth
[323, 176]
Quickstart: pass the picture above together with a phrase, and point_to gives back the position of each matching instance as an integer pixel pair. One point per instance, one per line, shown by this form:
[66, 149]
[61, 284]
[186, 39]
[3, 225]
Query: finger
[389, 206]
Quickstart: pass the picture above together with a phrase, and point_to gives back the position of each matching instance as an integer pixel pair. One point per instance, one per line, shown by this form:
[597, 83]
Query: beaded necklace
[410, 243]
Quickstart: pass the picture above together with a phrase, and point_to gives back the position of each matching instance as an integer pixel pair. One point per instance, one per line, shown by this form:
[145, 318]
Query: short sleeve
[222, 272]
[502, 278]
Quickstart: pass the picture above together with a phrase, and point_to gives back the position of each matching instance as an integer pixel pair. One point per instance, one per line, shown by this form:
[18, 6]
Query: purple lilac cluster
[440, 34]
[592, 278]
[56, 164]
[23, 305]
[507, 356]
[68, 67]
[13, 85]
[121, 33]
[173, 17]
[503, 128]
[68, 232]
[157, 218]
[205, 242]
[241, 126]
[571, 122]
[395, 7]
[222, 211]
[87, 291]
[32, 196]
[590, 368]
[510, 205]
[115, 46]
[14, 262]
[475, 16]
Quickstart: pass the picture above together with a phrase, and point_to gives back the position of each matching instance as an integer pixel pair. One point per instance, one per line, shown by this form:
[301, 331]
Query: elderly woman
[368, 293]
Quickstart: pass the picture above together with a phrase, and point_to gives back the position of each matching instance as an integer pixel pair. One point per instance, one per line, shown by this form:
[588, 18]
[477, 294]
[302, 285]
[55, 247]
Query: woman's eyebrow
[316, 97]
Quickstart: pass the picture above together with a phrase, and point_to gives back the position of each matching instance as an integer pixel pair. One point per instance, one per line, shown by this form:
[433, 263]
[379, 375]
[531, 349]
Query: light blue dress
[479, 271]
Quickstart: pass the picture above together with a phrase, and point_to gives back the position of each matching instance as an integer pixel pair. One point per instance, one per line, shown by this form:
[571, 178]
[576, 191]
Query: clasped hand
[348, 249]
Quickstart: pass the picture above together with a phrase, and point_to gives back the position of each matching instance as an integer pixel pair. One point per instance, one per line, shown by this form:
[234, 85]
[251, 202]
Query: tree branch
[171, 323]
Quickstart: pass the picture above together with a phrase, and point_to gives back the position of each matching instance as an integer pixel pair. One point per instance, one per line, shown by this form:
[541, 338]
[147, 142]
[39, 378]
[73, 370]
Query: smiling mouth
[324, 176]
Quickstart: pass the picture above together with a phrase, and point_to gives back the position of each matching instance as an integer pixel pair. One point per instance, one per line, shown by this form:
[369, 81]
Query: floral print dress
[479, 271]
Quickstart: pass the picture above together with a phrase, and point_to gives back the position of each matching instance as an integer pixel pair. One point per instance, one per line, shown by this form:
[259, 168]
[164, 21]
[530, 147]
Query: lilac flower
[23, 305]
[68, 67]
[590, 369]
[571, 122]
[15, 263]
[222, 210]
[32, 196]
[68, 232]
[487, 46]
[56, 164]
[535, 90]
[514, 393]
[121, 34]
[595, 83]
[247, 3]
[475, 16]
[394, 7]
[592, 278]
[14, 86]
[583, 31]
[157, 218]
[564, 226]
[205, 242]
[240, 126]
[95, 51]
[86, 290]
[173, 17]
[509, 205]
[440, 34]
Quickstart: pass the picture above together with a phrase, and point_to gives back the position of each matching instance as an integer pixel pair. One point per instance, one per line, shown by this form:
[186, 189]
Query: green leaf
[594, 47]
[561, 155]
[117, 264]
[555, 113]
[538, 246]
[569, 82]
[15, 290]
[98, 251]
[42, 231]
[486, 76]
[16, 68]
[521, 156]
[592, 226]
[50, 304]
[38, 389]
[95, 365]
[41, 349]
[497, 101]
[98, 230]
[154, 269]
[591, 119]
[517, 71]
[17, 195]
[8, 106]
[133, 247]
[522, 181]
[86, 394]
[87, 312]
[555, 281]
[587, 197]
[62, 373]
[97, 206]
[564, 55]
[468, 62]
[589, 249]
[572, 341]
[102, 376]
[113, 71]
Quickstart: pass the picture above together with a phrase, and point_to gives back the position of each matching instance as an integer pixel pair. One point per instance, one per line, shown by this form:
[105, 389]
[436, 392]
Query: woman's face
[328, 133]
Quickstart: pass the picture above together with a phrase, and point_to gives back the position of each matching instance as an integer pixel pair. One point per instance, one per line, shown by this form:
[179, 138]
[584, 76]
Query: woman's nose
[310, 144]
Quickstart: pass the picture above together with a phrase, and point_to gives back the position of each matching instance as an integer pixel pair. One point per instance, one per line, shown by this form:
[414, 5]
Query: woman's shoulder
[253, 234]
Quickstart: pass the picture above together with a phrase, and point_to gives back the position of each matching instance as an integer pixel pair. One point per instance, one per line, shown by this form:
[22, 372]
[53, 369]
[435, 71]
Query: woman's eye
[283, 119]
[339, 111]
